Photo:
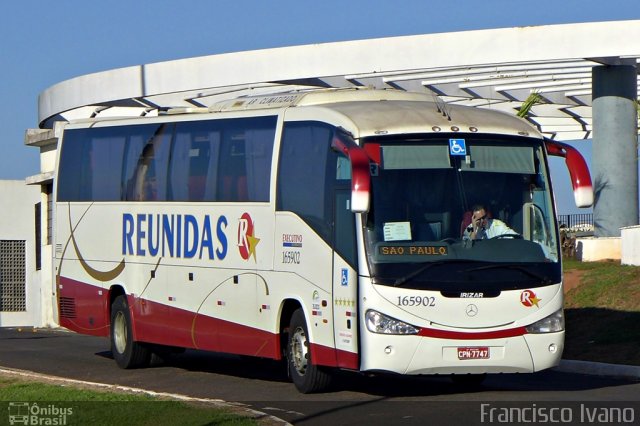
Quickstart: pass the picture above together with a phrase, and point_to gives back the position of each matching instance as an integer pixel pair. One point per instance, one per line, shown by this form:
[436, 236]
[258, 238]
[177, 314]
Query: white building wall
[631, 245]
[17, 222]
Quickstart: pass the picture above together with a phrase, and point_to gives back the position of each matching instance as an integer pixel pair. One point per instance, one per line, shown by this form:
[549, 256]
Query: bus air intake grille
[67, 307]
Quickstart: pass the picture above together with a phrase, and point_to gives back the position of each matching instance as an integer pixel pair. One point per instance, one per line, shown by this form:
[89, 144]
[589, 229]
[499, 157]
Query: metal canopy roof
[495, 69]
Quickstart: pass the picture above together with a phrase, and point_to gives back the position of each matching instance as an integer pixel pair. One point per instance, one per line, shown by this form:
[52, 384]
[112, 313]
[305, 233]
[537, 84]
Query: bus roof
[376, 112]
[315, 97]
[370, 111]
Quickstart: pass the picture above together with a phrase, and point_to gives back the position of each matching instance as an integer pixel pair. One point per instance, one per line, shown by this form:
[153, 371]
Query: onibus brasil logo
[28, 413]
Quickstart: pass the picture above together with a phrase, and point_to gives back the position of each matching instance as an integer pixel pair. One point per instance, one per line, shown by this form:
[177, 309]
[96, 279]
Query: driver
[483, 227]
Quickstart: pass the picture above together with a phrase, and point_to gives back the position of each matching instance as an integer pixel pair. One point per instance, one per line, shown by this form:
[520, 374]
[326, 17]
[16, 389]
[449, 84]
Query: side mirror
[360, 180]
[578, 170]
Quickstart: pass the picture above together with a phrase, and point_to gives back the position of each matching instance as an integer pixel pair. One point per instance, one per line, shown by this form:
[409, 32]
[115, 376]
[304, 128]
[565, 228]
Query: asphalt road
[355, 399]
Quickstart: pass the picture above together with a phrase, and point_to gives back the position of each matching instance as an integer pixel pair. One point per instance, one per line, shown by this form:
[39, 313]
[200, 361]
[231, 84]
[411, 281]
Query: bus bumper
[414, 355]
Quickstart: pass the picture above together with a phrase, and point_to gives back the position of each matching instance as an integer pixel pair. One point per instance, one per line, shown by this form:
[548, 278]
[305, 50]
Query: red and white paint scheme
[327, 228]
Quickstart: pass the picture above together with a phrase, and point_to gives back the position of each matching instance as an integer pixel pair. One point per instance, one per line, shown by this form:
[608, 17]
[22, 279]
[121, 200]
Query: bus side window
[144, 186]
[222, 160]
[146, 162]
[199, 155]
[245, 160]
[233, 185]
[194, 156]
[147, 181]
[304, 172]
[90, 165]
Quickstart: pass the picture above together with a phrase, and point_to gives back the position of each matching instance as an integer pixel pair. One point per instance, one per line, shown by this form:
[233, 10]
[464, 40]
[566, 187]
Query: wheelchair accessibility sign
[344, 277]
[457, 147]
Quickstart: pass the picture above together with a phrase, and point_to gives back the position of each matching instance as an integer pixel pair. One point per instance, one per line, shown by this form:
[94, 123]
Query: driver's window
[537, 229]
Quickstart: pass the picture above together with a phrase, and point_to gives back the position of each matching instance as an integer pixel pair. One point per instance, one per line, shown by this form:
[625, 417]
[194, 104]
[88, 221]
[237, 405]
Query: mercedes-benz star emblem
[472, 310]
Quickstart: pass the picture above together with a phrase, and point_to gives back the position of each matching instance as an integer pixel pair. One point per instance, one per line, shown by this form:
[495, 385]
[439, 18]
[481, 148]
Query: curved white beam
[376, 61]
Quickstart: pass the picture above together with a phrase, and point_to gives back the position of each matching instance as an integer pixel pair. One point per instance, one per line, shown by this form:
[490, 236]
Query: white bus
[324, 228]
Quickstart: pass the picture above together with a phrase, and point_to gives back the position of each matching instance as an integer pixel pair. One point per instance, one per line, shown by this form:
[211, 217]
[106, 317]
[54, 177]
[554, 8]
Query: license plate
[473, 352]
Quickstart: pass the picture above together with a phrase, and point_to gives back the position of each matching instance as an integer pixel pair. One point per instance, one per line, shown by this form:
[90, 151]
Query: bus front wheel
[126, 352]
[306, 376]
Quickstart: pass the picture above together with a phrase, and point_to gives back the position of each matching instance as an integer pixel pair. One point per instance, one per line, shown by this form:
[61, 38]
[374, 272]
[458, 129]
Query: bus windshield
[424, 191]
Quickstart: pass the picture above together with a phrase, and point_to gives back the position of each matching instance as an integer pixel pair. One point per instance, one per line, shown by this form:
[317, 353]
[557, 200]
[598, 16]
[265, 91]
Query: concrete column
[615, 149]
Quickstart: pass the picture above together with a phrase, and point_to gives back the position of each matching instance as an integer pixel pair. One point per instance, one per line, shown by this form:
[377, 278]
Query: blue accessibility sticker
[344, 280]
[457, 147]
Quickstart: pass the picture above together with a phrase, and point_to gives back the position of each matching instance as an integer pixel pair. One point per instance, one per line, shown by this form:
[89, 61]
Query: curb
[599, 369]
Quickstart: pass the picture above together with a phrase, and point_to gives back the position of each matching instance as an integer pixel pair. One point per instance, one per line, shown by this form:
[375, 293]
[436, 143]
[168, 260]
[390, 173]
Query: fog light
[553, 348]
[388, 350]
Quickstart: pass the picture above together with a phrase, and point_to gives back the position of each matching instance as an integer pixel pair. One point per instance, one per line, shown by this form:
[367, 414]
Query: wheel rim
[120, 332]
[299, 352]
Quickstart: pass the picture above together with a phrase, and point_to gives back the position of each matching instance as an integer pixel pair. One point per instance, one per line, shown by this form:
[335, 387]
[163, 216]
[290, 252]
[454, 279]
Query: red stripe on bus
[88, 313]
[82, 307]
[330, 357]
[167, 325]
[482, 335]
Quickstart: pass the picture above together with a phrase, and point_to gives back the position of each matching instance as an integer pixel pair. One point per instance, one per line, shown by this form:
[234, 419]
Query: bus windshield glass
[426, 193]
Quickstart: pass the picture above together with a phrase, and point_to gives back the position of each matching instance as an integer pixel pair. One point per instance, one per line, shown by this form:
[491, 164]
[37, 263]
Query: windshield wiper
[520, 268]
[423, 268]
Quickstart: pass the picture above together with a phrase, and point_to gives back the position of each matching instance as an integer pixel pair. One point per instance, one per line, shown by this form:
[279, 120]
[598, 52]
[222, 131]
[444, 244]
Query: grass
[85, 406]
[603, 312]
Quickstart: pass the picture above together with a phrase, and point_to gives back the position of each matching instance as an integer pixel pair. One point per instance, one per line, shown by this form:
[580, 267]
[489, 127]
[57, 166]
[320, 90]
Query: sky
[44, 42]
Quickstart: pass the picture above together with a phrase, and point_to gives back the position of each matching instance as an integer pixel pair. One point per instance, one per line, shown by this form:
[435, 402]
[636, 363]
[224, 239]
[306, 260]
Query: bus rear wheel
[126, 352]
[306, 376]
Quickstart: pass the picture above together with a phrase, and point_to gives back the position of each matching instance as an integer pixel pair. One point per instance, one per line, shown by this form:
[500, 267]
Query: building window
[49, 193]
[12, 276]
[38, 236]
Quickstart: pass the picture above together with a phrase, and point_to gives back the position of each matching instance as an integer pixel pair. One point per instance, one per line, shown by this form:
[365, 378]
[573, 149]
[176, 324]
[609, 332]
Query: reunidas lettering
[174, 235]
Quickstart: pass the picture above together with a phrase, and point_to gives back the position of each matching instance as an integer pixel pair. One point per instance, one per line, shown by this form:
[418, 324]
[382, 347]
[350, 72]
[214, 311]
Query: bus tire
[305, 374]
[126, 352]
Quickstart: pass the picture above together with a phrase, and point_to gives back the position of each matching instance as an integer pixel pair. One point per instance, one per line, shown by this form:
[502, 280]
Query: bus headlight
[551, 324]
[383, 324]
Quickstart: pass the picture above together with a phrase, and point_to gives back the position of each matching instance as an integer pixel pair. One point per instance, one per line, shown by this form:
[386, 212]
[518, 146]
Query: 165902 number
[428, 301]
[291, 257]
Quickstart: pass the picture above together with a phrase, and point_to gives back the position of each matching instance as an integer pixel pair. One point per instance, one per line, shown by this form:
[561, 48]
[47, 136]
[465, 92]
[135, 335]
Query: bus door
[345, 277]
[313, 214]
